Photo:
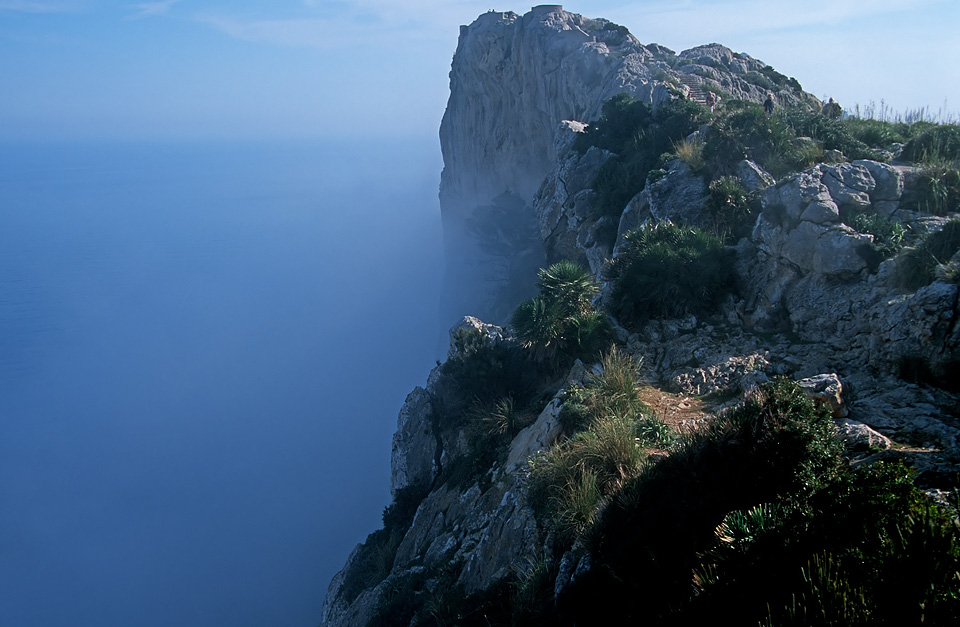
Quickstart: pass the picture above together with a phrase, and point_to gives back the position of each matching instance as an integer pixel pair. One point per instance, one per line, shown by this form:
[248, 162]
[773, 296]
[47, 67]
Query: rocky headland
[818, 296]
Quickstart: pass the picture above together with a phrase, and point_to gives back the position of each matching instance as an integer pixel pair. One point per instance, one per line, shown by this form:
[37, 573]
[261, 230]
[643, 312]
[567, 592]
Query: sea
[203, 350]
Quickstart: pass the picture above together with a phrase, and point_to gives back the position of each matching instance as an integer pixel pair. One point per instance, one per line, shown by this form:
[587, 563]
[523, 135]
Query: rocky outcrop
[514, 78]
[475, 528]
[814, 303]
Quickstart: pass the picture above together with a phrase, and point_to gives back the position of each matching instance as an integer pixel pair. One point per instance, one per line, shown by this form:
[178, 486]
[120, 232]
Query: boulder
[888, 180]
[859, 436]
[753, 177]
[827, 390]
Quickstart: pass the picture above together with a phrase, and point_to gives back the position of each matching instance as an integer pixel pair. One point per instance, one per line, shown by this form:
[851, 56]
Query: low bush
[666, 271]
[887, 235]
[612, 425]
[873, 133]
[917, 266]
[743, 131]
[938, 189]
[832, 134]
[659, 529]
[485, 371]
[731, 207]
[637, 137]
[690, 151]
[561, 323]
[939, 143]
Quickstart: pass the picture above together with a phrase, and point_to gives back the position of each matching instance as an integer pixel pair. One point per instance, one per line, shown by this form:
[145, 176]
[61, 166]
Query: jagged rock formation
[478, 529]
[514, 79]
[814, 302]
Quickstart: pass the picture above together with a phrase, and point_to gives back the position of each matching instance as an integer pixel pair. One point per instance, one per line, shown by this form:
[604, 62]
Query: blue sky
[313, 68]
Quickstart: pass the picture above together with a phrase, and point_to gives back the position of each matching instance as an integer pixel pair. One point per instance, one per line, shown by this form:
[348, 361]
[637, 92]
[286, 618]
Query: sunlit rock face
[513, 80]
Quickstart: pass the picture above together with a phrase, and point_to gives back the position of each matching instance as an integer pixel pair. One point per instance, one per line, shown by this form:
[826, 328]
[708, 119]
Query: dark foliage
[938, 189]
[744, 131]
[486, 371]
[638, 138]
[917, 266]
[732, 209]
[561, 323]
[665, 271]
[887, 235]
[648, 541]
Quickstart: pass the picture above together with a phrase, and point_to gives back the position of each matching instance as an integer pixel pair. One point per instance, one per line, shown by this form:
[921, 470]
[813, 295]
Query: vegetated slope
[788, 285]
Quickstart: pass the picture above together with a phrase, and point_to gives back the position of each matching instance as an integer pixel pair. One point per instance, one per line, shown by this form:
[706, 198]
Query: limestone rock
[679, 196]
[888, 180]
[826, 389]
[753, 177]
[489, 332]
[513, 80]
[859, 436]
[412, 460]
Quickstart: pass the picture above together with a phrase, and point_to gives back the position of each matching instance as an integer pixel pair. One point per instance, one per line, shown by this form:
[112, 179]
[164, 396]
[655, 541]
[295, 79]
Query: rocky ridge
[513, 79]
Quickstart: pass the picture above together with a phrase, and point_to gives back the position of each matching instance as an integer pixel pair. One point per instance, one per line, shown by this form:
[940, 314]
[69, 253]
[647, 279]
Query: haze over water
[203, 350]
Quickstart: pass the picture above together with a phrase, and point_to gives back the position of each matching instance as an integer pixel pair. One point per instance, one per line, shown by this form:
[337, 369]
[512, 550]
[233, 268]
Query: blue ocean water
[203, 349]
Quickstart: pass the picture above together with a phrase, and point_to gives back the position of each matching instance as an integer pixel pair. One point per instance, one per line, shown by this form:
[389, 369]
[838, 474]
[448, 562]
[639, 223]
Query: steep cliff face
[513, 80]
[813, 303]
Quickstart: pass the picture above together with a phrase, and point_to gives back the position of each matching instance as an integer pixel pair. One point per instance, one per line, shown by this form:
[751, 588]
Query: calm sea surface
[203, 349]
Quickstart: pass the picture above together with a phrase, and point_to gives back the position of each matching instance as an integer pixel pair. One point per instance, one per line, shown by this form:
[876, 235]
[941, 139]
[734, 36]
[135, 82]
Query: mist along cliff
[514, 78]
[728, 385]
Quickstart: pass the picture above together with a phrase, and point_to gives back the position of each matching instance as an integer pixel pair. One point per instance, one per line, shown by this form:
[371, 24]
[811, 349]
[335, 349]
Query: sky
[207, 69]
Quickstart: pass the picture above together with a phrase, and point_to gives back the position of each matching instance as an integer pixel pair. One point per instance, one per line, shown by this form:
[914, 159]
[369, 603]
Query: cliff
[502, 513]
[513, 79]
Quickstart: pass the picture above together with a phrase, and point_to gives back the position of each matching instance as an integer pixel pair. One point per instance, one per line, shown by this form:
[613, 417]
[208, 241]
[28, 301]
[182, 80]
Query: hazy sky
[286, 68]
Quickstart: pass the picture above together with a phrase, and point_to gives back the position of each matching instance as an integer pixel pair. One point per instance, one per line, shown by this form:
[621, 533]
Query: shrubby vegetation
[888, 235]
[611, 426]
[918, 265]
[733, 210]
[938, 190]
[561, 323]
[756, 516]
[742, 130]
[937, 143]
[667, 271]
[638, 137]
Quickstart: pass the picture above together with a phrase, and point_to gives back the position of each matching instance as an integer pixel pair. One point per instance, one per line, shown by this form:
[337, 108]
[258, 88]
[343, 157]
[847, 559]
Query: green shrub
[832, 134]
[873, 133]
[936, 144]
[638, 138]
[614, 391]
[917, 266]
[781, 80]
[666, 271]
[938, 189]
[887, 235]
[621, 118]
[660, 527]
[486, 371]
[744, 131]
[567, 485]
[561, 323]
[731, 208]
[610, 425]
[690, 152]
